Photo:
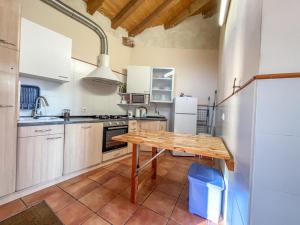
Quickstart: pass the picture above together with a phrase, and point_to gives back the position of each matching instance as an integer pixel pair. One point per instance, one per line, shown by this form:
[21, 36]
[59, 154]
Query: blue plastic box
[206, 187]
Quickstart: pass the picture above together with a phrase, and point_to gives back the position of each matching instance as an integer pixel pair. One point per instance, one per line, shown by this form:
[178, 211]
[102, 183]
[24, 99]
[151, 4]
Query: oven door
[109, 133]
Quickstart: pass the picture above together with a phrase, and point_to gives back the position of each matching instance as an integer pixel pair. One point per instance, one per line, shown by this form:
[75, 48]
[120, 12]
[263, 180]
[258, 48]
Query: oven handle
[116, 128]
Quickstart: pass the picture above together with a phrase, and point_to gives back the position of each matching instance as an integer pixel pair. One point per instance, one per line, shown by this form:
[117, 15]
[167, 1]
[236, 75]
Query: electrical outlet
[83, 109]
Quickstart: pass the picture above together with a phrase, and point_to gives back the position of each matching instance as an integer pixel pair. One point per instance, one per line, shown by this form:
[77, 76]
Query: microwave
[139, 98]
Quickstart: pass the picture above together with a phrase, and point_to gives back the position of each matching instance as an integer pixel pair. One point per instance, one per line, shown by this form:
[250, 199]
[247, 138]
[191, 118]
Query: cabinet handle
[42, 130]
[54, 138]
[63, 77]
[6, 42]
[5, 106]
[86, 127]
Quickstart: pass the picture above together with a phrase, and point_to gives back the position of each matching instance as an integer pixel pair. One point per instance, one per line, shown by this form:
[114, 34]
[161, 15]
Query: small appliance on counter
[141, 112]
[66, 113]
[137, 112]
[130, 113]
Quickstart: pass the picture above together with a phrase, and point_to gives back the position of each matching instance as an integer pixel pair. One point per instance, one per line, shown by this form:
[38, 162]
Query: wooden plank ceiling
[137, 15]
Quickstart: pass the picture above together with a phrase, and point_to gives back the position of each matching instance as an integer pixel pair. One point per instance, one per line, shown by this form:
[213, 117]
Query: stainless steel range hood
[103, 73]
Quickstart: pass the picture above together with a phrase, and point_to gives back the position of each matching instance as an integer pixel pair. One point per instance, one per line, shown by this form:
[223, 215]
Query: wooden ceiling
[137, 15]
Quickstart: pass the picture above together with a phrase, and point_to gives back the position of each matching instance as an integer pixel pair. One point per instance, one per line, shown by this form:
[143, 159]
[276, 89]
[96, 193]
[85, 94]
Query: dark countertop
[83, 119]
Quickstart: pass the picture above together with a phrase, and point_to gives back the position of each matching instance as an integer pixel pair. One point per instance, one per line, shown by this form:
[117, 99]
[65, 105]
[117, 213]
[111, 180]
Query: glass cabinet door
[162, 85]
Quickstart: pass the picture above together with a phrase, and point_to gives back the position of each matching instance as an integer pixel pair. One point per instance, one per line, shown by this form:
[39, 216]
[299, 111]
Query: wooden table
[200, 145]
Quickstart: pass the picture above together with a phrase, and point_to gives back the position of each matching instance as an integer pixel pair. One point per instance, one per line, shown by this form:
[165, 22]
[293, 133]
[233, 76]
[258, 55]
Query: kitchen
[89, 89]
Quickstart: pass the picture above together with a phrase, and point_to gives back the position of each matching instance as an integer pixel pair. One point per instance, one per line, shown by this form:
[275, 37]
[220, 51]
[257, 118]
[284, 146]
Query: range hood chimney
[103, 73]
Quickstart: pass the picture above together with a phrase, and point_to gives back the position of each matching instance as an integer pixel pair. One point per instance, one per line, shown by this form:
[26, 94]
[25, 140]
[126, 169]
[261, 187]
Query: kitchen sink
[40, 119]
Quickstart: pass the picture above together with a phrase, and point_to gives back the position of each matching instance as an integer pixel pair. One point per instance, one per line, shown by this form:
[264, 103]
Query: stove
[113, 120]
[115, 125]
[111, 117]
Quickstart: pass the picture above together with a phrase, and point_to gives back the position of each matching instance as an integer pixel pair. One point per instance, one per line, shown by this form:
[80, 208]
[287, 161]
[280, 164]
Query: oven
[109, 132]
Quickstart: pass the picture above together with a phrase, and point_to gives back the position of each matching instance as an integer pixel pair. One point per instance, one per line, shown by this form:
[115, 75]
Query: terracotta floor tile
[146, 217]
[183, 217]
[71, 181]
[102, 176]
[143, 193]
[160, 203]
[118, 211]
[81, 188]
[184, 195]
[54, 196]
[172, 222]
[169, 187]
[117, 184]
[168, 164]
[74, 214]
[177, 176]
[11, 208]
[97, 198]
[126, 161]
[119, 168]
[96, 220]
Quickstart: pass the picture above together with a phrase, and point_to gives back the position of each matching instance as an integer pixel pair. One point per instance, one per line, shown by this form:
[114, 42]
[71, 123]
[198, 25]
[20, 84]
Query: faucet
[42, 100]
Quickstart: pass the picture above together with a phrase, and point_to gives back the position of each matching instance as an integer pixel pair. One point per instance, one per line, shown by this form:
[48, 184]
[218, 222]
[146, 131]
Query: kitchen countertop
[83, 119]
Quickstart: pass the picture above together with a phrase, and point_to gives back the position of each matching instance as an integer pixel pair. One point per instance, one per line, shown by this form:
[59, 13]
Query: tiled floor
[101, 197]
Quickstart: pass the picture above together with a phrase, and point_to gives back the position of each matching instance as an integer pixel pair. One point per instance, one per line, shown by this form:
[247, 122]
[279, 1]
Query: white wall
[195, 70]
[239, 45]
[239, 57]
[280, 51]
[276, 180]
[97, 98]
[235, 123]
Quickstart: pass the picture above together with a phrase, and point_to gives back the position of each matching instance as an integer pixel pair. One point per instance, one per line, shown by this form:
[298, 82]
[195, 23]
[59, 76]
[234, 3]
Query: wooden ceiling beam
[93, 5]
[125, 13]
[185, 13]
[147, 21]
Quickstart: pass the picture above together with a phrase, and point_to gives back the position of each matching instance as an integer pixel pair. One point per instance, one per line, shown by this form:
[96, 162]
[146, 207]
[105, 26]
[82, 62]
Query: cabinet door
[83, 146]
[10, 11]
[9, 60]
[74, 154]
[132, 127]
[44, 53]
[8, 86]
[138, 79]
[163, 125]
[53, 150]
[148, 126]
[93, 143]
[8, 139]
[30, 161]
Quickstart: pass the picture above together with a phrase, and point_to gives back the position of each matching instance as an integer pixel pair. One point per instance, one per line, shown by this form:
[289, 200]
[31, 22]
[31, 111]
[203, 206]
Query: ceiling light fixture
[223, 11]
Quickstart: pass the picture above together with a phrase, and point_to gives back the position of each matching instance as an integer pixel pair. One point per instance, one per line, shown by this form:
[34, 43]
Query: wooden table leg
[154, 163]
[134, 176]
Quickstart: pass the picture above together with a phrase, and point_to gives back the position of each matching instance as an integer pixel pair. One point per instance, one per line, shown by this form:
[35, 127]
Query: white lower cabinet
[83, 146]
[39, 158]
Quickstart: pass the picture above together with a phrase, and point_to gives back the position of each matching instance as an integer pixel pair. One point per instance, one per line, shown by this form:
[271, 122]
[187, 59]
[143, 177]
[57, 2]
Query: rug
[39, 214]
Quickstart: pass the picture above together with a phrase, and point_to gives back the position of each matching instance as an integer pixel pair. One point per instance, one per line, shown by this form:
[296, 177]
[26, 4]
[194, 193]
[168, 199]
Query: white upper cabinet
[138, 79]
[44, 53]
[162, 85]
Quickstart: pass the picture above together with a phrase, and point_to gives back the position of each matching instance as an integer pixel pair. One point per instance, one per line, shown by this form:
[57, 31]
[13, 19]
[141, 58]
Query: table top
[195, 144]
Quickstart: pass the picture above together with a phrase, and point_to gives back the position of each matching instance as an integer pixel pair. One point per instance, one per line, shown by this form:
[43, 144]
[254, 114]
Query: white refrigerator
[184, 118]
